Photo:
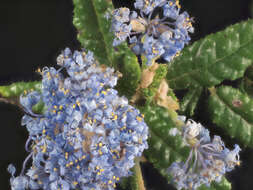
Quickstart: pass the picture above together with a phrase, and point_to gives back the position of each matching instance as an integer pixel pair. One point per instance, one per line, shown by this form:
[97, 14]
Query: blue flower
[208, 160]
[17, 183]
[150, 34]
[148, 6]
[87, 136]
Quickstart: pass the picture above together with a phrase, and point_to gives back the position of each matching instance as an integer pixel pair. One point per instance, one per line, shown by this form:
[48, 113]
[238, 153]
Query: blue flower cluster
[208, 160]
[88, 136]
[152, 34]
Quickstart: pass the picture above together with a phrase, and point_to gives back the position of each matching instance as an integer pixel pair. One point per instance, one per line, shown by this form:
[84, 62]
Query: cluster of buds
[158, 30]
[87, 137]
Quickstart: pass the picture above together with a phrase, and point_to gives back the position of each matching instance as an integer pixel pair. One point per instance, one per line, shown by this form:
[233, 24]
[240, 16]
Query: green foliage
[129, 183]
[93, 28]
[163, 147]
[135, 181]
[39, 107]
[94, 34]
[233, 111]
[221, 56]
[247, 82]
[130, 69]
[223, 185]
[209, 61]
[18, 88]
[150, 92]
[249, 73]
[190, 100]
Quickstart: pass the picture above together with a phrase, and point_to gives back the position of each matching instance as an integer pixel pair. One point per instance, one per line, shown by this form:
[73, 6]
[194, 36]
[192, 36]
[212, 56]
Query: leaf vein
[231, 109]
[199, 69]
[99, 25]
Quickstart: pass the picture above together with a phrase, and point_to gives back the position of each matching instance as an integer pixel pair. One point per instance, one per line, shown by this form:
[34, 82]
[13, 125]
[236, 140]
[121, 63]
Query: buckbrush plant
[100, 112]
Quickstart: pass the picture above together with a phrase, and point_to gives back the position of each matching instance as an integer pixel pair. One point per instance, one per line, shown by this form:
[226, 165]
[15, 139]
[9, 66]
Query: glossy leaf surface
[189, 102]
[128, 66]
[18, 88]
[233, 111]
[94, 27]
[164, 149]
[247, 82]
[93, 22]
[223, 185]
[209, 61]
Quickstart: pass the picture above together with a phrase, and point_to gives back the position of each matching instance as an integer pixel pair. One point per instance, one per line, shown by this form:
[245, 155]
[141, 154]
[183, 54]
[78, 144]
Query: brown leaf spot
[237, 103]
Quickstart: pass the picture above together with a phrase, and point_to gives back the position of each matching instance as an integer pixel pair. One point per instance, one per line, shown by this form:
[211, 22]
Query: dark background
[32, 34]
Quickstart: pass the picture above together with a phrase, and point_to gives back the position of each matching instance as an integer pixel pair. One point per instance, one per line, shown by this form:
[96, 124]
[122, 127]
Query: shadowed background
[33, 33]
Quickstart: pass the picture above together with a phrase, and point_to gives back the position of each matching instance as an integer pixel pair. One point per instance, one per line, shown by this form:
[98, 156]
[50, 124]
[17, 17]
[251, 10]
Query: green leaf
[124, 183]
[223, 185]
[249, 72]
[246, 86]
[129, 67]
[209, 61]
[232, 110]
[135, 181]
[10, 93]
[189, 102]
[94, 28]
[18, 88]
[247, 82]
[39, 107]
[165, 149]
[150, 92]
[94, 34]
